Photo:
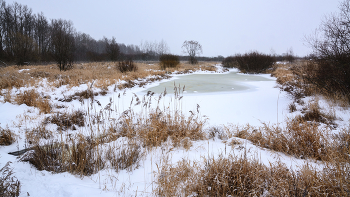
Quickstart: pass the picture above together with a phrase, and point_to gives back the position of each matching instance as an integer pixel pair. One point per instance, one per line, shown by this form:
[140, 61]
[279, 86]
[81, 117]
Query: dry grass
[87, 154]
[7, 137]
[67, 120]
[242, 177]
[159, 126]
[297, 79]
[312, 113]
[9, 185]
[77, 157]
[124, 157]
[34, 135]
[301, 139]
[33, 98]
[86, 94]
[103, 74]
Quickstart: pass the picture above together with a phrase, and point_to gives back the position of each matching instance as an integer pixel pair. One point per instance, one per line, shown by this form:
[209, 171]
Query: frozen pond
[206, 83]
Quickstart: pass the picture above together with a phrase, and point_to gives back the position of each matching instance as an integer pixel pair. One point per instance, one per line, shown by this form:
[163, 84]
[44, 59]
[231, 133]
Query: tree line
[26, 38]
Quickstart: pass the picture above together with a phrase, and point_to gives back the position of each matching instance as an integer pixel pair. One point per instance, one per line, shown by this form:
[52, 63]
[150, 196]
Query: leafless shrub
[331, 60]
[168, 61]
[230, 62]
[9, 185]
[126, 66]
[253, 62]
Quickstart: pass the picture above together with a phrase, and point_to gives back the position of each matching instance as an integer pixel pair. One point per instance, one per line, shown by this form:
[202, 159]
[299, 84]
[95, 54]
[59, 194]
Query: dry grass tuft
[124, 157]
[161, 126]
[126, 66]
[33, 136]
[33, 98]
[67, 121]
[314, 114]
[86, 94]
[242, 177]
[77, 157]
[301, 139]
[9, 185]
[6, 137]
[234, 142]
[292, 107]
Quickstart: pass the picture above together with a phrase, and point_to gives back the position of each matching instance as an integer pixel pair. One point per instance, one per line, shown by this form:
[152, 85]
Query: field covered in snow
[133, 162]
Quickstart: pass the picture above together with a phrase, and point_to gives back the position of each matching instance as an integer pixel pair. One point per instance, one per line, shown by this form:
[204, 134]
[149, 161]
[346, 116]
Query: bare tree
[162, 48]
[290, 55]
[63, 46]
[192, 48]
[331, 46]
[112, 49]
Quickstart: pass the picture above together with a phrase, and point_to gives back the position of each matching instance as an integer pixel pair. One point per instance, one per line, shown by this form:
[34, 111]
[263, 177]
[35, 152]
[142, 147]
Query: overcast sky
[223, 27]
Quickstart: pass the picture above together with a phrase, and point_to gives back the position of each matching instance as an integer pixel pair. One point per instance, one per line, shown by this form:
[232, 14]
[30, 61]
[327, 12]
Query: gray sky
[223, 27]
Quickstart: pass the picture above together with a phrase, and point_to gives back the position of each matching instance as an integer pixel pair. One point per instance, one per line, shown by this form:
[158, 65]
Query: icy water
[206, 83]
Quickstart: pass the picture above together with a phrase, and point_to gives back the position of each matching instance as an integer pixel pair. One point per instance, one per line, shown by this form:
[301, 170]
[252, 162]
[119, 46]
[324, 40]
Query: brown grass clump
[342, 145]
[313, 113]
[86, 94]
[10, 77]
[161, 126]
[6, 137]
[292, 107]
[168, 61]
[301, 139]
[9, 185]
[67, 121]
[78, 156]
[33, 136]
[33, 98]
[242, 177]
[124, 157]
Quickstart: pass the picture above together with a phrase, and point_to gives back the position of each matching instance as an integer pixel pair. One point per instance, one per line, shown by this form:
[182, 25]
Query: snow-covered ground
[262, 102]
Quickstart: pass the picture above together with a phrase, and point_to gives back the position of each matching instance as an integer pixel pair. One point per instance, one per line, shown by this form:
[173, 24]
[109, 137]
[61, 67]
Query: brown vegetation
[126, 66]
[33, 98]
[252, 62]
[168, 61]
[67, 120]
[242, 177]
[6, 137]
[9, 185]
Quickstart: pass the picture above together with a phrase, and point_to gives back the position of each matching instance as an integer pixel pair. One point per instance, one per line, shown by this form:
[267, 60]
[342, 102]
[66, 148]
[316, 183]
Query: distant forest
[28, 38]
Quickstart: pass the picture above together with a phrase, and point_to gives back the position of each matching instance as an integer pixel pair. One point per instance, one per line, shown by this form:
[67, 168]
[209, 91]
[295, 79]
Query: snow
[260, 102]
